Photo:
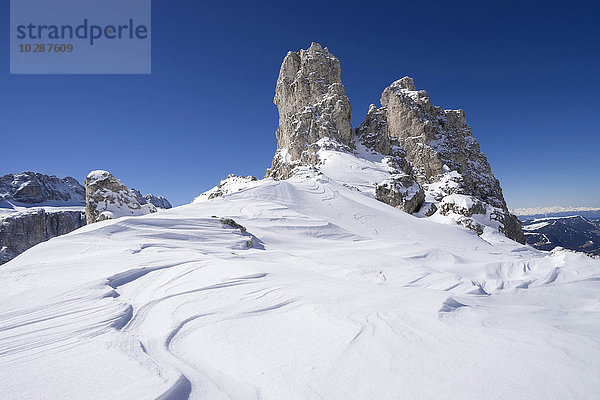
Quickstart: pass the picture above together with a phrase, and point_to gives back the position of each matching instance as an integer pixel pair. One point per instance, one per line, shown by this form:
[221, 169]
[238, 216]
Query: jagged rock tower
[445, 157]
[314, 111]
[435, 163]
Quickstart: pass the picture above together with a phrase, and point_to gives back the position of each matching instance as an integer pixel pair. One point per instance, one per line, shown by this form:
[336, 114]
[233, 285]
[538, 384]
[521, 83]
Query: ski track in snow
[338, 297]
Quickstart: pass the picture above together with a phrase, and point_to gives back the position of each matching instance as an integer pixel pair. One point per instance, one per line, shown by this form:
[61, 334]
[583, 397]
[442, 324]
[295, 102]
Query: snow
[122, 204]
[329, 294]
[460, 200]
[360, 173]
[551, 210]
[556, 218]
[232, 184]
[536, 226]
[97, 175]
[448, 183]
[11, 208]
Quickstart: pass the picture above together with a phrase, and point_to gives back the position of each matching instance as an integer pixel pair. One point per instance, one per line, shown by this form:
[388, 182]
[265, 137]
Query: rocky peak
[405, 88]
[434, 163]
[314, 111]
[446, 159]
[438, 140]
[108, 198]
[404, 83]
[35, 188]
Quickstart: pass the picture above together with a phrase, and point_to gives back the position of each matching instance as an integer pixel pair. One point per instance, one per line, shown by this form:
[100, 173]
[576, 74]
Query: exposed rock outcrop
[21, 231]
[437, 141]
[434, 163]
[34, 188]
[400, 190]
[446, 159]
[312, 105]
[108, 198]
[34, 208]
[373, 132]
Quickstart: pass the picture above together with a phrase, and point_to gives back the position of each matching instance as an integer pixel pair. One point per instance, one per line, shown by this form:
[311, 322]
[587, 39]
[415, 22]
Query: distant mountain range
[572, 228]
[556, 211]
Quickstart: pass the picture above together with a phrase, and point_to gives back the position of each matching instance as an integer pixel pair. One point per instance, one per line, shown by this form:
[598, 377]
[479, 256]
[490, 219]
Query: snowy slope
[328, 294]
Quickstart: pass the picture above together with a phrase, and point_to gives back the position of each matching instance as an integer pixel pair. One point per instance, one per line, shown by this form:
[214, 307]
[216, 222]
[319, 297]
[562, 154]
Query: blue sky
[526, 73]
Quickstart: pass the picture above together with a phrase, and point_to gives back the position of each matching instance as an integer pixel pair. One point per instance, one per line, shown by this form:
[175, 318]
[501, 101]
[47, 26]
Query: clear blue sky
[526, 73]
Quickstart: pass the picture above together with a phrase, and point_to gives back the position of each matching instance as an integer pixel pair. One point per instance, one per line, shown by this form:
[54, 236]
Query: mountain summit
[434, 164]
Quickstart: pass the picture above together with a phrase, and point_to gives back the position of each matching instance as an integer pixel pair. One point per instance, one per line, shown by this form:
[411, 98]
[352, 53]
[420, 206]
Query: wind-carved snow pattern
[341, 291]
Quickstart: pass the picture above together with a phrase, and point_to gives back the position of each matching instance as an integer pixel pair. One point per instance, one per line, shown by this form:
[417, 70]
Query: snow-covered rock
[108, 198]
[445, 157]
[34, 208]
[461, 204]
[400, 189]
[34, 188]
[157, 201]
[20, 231]
[431, 152]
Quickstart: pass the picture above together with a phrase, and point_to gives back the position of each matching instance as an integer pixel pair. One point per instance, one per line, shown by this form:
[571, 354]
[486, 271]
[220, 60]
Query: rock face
[108, 198]
[34, 188]
[24, 222]
[445, 157]
[24, 230]
[312, 106]
[400, 189]
[437, 140]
